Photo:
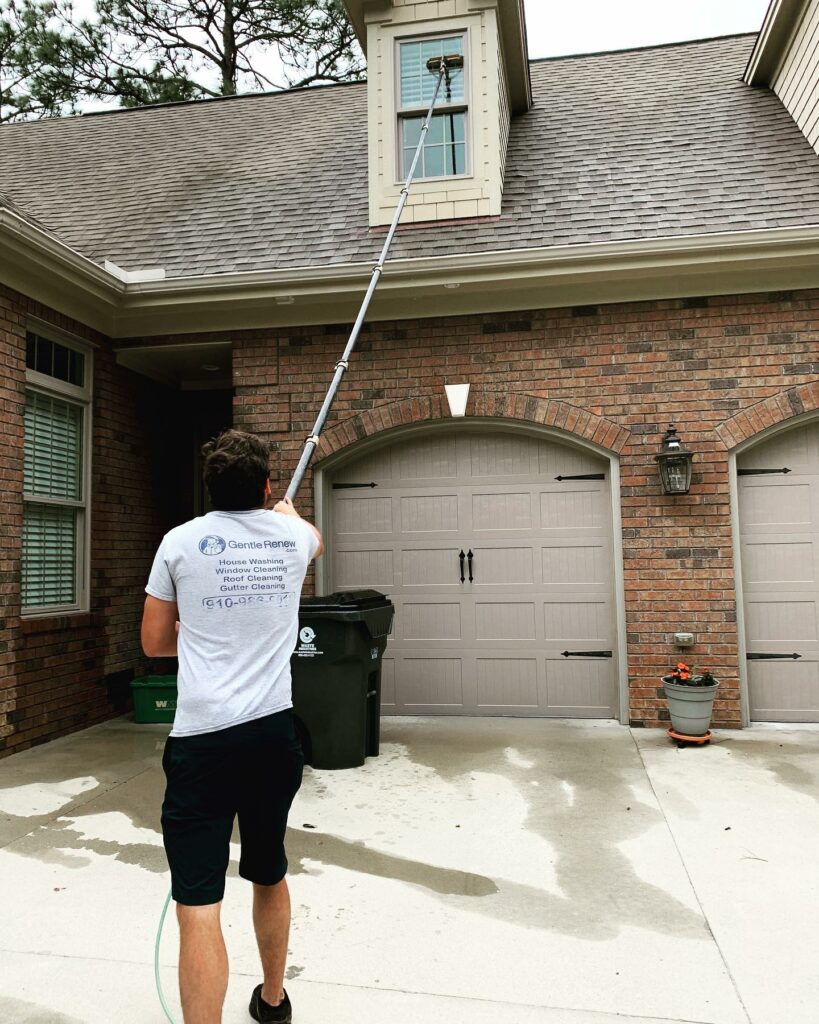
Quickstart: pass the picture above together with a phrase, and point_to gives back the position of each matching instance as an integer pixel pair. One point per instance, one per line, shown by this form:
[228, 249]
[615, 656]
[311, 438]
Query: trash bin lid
[375, 610]
[345, 601]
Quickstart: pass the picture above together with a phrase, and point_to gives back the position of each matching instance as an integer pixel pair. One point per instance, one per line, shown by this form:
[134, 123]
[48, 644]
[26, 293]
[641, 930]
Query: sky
[556, 27]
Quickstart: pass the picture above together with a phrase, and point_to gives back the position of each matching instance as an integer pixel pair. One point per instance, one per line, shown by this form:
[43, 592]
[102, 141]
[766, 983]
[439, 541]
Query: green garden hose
[156, 959]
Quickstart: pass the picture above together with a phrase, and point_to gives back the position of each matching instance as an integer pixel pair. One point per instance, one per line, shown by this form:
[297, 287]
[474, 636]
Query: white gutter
[37, 264]
[631, 254]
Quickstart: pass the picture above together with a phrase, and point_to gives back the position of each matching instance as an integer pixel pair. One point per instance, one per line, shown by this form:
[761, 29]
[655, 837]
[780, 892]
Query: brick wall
[63, 673]
[720, 368]
[697, 362]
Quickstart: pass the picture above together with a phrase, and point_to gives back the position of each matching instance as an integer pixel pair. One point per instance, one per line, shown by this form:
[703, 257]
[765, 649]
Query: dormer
[461, 172]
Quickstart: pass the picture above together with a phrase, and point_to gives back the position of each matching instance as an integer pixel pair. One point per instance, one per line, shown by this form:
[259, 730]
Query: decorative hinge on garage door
[350, 487]
[587, 654]
[583, 476]
[762, 472]
[772, 657]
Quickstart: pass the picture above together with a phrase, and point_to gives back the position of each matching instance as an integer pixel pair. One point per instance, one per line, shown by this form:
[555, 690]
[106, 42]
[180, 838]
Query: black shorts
[251, 770]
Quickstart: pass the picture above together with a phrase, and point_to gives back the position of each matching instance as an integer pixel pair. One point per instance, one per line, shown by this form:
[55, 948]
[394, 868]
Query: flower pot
[690, 707]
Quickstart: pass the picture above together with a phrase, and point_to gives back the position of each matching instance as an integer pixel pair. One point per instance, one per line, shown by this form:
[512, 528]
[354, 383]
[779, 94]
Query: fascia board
[45, 269]
[516, 49]
[744, 262]
[777, 29]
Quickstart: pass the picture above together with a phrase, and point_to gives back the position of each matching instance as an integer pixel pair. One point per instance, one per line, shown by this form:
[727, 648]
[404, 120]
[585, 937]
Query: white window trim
[463, 106]
[44, 384]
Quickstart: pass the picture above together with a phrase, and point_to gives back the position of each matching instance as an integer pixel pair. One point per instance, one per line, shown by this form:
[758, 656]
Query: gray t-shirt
[236, 578]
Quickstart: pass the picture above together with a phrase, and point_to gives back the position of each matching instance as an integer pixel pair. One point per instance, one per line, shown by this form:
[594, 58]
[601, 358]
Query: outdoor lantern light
[675, 464]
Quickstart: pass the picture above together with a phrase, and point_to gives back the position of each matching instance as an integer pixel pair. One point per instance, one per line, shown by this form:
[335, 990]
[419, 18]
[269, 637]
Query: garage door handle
[771, 657]
[586, 654]
[470, 556]
[462, 556]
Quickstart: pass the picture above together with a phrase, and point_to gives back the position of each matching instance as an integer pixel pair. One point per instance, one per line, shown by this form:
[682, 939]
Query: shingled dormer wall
[478, 191]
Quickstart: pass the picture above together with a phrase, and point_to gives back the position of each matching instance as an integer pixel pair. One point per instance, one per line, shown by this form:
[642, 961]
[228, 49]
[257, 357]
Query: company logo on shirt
[212, 545]
[307, 635]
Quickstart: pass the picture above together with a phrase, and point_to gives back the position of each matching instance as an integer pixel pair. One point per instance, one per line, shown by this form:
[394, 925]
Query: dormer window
[445, 151]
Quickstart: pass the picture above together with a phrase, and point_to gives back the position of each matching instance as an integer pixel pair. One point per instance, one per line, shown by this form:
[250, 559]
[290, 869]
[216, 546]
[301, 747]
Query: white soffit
[195, 366]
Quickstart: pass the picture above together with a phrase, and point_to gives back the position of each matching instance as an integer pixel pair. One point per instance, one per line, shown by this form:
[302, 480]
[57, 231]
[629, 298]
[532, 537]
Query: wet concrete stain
[600, 892]
[64, 844]
[18, 1011]
[357, 856]
[795, 766]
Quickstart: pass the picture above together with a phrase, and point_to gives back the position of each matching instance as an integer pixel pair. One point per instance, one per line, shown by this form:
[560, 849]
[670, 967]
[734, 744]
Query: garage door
[496, 550]
[779, 528]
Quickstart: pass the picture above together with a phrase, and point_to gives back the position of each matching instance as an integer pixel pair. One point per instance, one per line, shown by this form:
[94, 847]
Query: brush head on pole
[451, 62]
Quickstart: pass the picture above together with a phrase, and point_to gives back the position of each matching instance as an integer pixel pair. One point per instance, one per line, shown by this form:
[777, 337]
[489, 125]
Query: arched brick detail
[768, 413]
[495, 404]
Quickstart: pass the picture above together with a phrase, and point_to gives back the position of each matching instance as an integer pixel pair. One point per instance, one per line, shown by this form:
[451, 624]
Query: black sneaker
[267, 1014]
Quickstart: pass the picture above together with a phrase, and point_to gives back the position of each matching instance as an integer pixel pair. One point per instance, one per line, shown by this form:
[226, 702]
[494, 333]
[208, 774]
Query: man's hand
[286, 507]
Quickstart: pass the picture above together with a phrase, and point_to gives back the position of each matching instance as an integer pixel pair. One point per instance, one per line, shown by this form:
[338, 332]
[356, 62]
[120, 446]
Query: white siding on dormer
[477, 193]
[796, 82]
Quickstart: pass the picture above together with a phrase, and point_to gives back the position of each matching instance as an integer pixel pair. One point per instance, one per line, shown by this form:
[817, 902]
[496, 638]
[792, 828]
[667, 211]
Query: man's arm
[286, 508]
[159, 628]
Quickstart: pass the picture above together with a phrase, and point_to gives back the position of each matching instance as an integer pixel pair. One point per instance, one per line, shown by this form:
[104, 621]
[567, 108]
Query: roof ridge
[221, 99]
[640, 49]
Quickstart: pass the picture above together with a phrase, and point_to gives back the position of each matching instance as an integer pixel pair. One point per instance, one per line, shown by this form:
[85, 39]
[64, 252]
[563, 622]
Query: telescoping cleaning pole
[442, 66]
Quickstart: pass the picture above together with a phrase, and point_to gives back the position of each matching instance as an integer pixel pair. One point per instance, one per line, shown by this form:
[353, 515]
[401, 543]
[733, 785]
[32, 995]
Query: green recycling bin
[154, 698]
[336, 669]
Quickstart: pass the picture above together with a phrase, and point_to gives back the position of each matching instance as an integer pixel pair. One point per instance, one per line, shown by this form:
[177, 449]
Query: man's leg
[203, 963]
[271, 920]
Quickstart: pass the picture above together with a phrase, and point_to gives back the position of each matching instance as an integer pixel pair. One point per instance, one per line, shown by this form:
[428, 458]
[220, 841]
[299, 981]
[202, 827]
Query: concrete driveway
[494, 871]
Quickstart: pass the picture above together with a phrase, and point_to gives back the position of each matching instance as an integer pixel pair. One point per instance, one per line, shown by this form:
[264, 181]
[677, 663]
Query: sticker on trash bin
[374, 654]
[307, 647]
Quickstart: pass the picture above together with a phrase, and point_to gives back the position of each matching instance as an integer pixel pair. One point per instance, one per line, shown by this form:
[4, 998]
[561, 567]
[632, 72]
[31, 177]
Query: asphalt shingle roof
[665, 141]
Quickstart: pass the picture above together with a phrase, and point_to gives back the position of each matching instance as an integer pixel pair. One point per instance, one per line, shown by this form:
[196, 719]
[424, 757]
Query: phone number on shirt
[245, 601]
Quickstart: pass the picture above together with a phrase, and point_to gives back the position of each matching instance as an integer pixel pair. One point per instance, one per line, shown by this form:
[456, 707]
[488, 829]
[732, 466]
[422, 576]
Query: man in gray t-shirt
[223, 596]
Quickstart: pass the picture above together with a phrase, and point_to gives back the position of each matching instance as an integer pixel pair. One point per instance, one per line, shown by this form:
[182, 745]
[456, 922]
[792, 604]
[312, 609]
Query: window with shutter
[445, 149]
[54, 475]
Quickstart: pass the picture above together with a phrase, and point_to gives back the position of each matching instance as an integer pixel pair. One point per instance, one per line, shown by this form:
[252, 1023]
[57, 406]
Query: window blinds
[53, 447]
[417, 84]
[52, 469]
[49, 556]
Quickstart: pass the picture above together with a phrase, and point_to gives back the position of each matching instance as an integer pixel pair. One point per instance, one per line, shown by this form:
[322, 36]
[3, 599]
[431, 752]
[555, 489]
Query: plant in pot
[690, 699]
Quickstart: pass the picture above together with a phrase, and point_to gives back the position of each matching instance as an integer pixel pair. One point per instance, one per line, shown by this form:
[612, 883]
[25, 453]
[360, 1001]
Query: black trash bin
[336, 670]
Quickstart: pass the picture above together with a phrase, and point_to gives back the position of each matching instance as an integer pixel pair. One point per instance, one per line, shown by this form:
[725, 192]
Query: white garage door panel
[429, 513]
[366, 568]
[789, 621]
[581, 688]
[433, 621]
[784, 691]
[501, 512]
[387, 683]
[571, 510]
[779, 529]
[510, 620]
[541, 566]
[505, 683]
[766, 504]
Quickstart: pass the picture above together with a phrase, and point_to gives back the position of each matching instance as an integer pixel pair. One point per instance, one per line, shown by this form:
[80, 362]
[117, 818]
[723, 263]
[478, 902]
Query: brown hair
[236, 468]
